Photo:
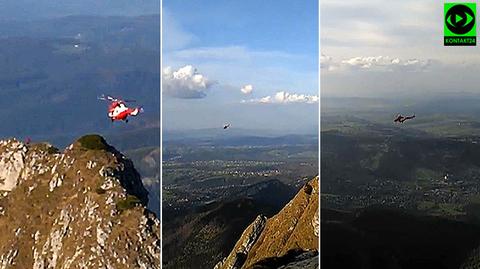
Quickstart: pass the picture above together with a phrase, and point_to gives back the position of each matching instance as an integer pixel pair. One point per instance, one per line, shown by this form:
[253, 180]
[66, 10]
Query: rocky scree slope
[287, 240]
[81, 208]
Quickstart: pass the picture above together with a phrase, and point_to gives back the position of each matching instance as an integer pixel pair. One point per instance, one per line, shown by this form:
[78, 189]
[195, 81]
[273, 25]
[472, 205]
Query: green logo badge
[459, 24]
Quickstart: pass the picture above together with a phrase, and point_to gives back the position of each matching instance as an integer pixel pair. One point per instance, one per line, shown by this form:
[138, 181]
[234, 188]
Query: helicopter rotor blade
[107, 98]
[102, 97]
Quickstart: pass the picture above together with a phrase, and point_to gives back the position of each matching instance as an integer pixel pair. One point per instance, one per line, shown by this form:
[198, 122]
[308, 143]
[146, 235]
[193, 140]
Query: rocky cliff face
[288, 239]
[80, 208]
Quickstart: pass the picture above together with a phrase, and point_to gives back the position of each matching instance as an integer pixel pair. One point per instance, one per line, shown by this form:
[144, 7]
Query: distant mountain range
[109, 32]
[237, 137]
[53, 70]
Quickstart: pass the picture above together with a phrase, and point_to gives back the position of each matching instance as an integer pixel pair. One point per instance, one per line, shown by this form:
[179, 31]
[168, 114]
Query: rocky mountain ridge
[80, 208]
[287, 240]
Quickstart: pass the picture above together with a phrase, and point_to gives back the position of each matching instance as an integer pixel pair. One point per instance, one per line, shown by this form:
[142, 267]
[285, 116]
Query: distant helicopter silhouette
[225, 126]
[401, 118]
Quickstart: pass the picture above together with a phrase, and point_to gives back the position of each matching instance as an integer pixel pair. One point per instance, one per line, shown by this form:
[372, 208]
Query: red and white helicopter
[118, 110]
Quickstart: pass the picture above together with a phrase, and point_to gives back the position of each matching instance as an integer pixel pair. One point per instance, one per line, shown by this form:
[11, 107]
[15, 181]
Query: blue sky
[290, 26]
[270, 45]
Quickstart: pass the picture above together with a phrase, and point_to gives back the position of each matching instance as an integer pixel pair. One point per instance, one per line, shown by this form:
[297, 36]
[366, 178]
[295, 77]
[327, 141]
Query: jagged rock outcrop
[244, 245]
[288, 239]
[11, 164]
[81, 208]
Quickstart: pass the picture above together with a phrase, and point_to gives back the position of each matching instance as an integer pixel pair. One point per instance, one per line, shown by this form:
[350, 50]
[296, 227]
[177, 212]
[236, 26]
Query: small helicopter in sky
[401, 119]
[118, 110]
[225, 126]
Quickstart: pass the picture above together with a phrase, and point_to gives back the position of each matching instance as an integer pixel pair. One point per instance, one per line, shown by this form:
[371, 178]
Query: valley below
[213, 189]
[400, 195]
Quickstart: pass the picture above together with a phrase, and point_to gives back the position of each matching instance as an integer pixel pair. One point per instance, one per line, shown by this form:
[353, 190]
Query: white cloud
[236, 65]
[186, 82]
[247, 89]
[385, 63]
[404, 29]
[283, 97]
[374, 63]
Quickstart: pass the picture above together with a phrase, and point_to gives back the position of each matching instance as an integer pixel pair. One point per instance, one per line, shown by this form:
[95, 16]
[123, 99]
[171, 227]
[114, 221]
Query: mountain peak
[83, 206]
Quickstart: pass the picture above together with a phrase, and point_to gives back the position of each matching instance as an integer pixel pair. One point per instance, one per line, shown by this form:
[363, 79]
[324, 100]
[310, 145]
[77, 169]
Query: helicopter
[401, 119]
[225, 126]
[118, 110]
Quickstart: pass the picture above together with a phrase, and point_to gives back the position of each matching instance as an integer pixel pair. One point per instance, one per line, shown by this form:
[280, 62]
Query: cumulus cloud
[186, 82]
[247, 89]
[374, 63]
[283, 97]
[385, 63]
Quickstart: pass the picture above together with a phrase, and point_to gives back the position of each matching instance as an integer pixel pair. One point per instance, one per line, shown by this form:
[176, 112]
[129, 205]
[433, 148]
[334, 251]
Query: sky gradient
[212, 50]
[378, 49]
